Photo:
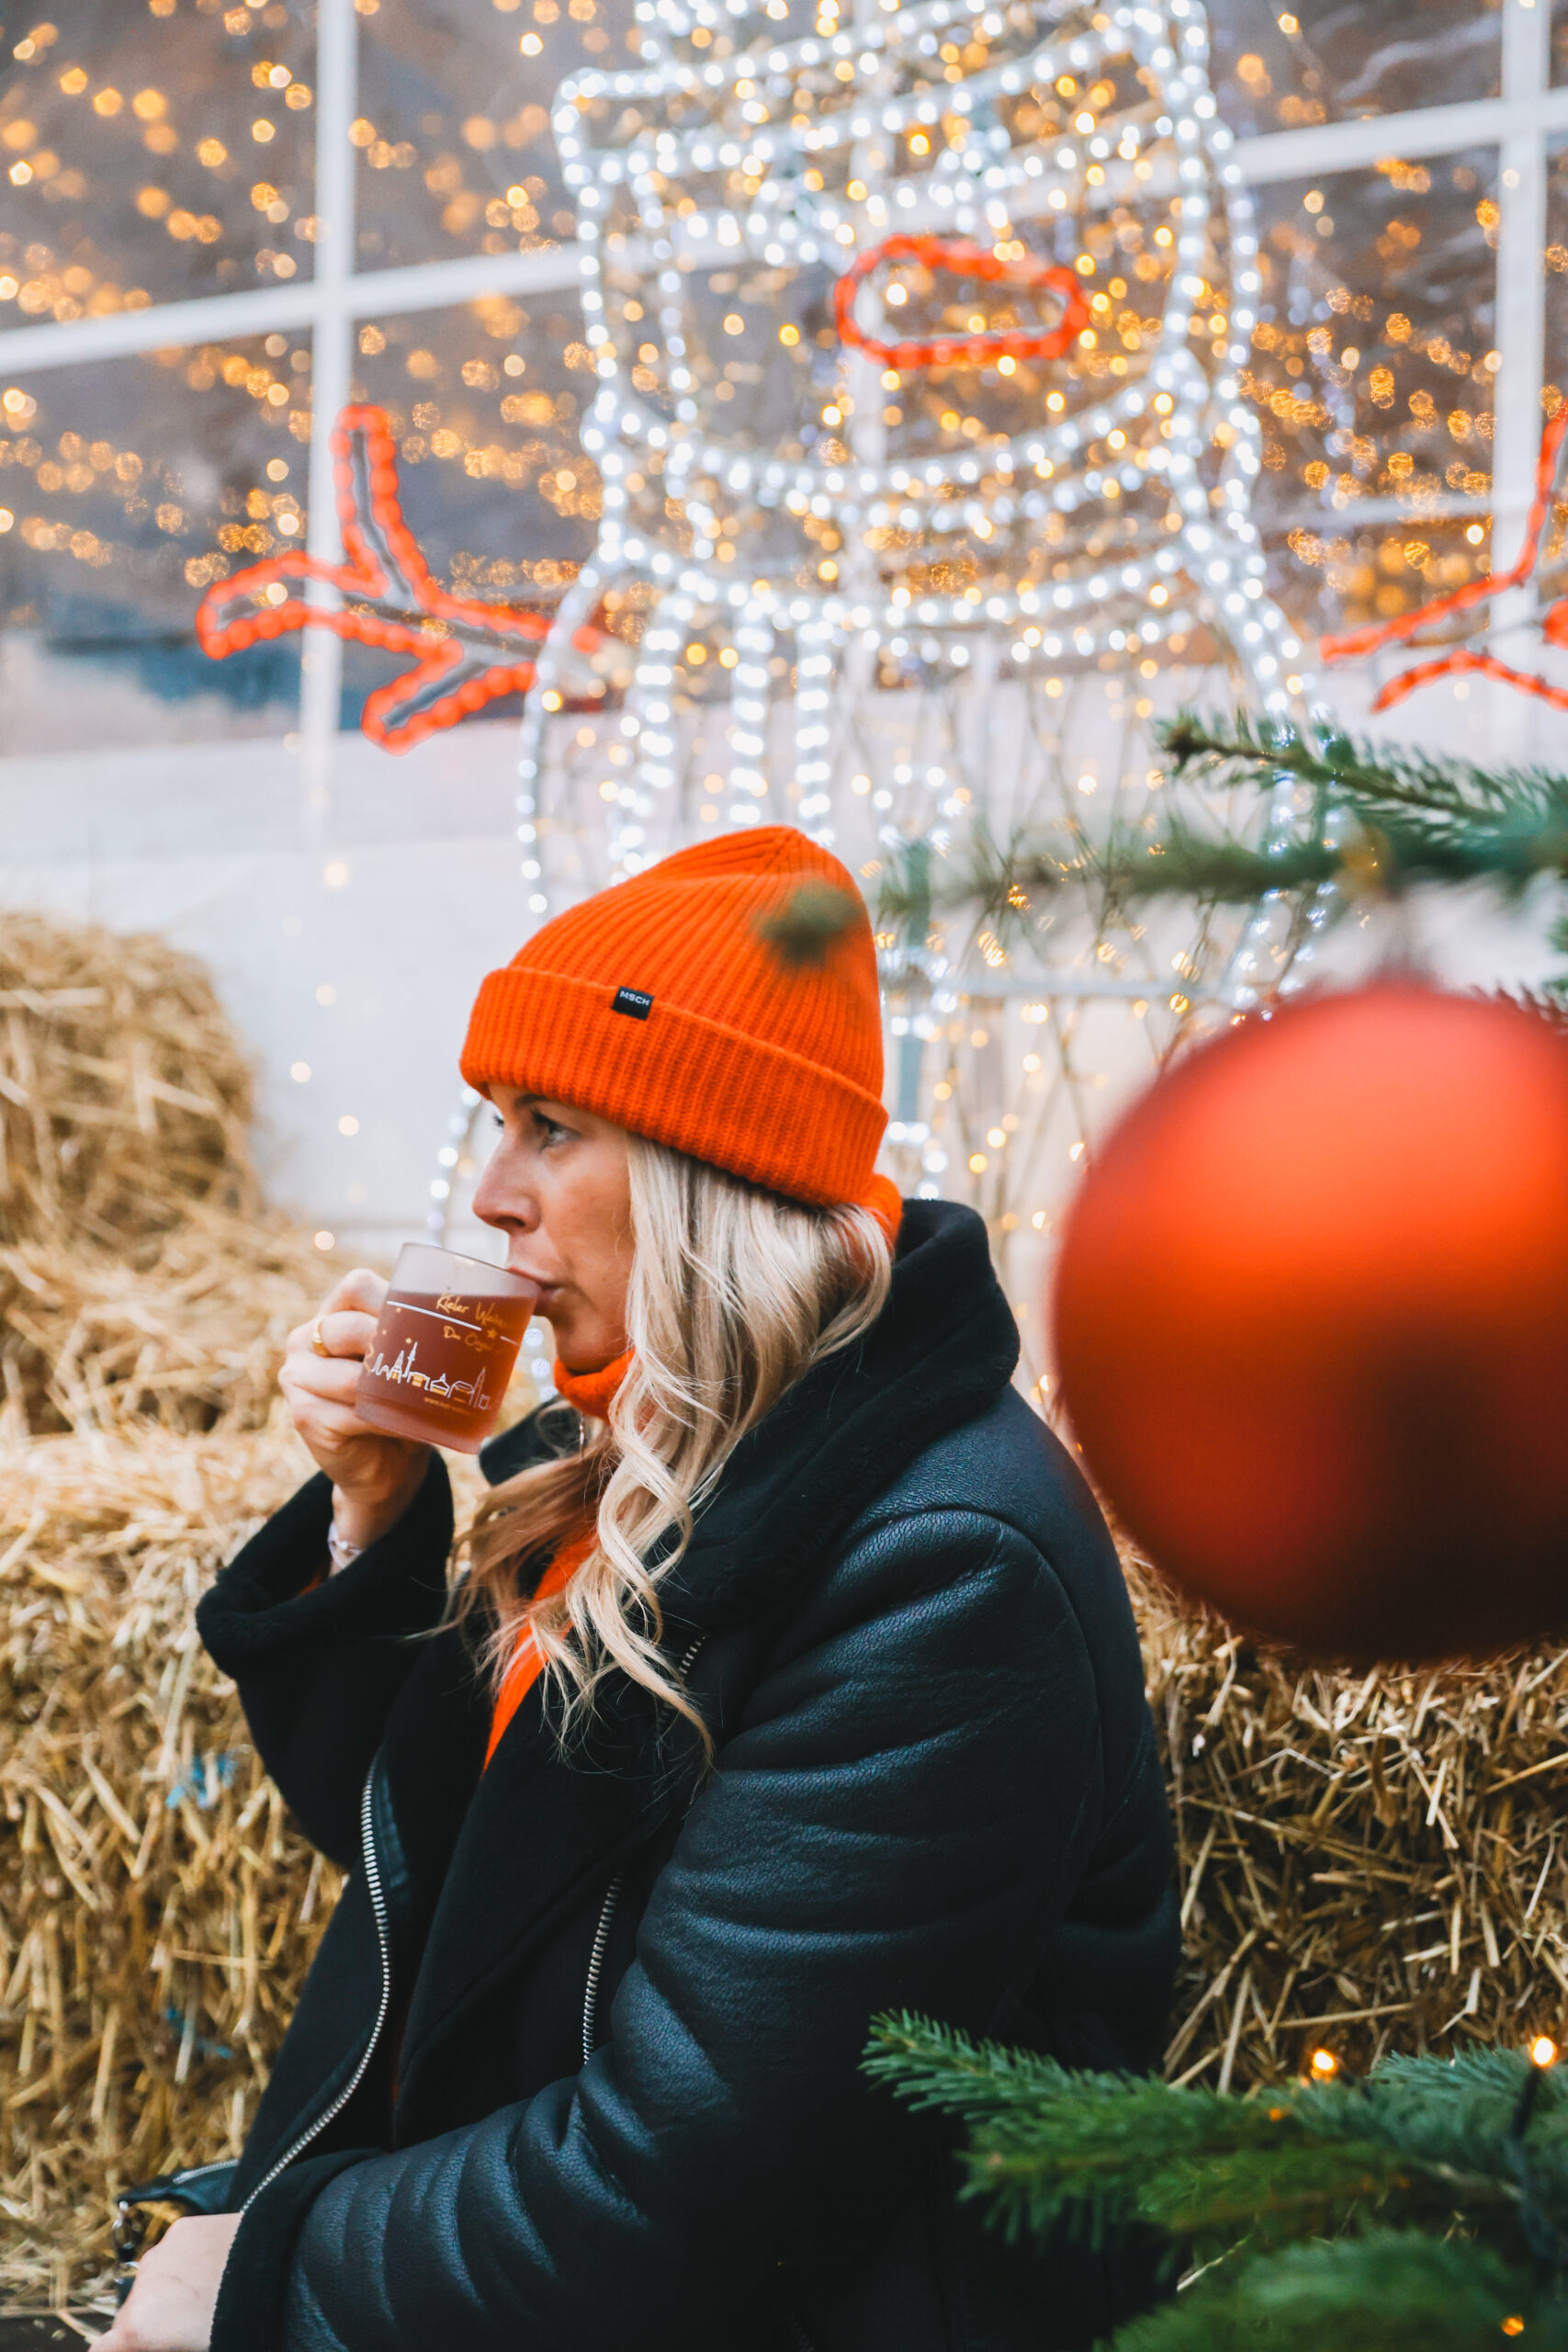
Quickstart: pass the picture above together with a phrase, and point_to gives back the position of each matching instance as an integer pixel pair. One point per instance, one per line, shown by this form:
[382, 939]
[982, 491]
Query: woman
[792, 1679]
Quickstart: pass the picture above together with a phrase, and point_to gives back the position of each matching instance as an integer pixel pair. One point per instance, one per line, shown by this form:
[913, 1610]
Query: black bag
[200, 2189]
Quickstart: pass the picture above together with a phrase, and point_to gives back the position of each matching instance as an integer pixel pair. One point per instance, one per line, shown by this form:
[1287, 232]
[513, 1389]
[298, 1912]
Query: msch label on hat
[633, 1002]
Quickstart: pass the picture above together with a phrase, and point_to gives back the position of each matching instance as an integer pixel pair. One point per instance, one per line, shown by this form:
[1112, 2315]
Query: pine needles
[1372, 821]
[1387, 2290]
[1423, 2206]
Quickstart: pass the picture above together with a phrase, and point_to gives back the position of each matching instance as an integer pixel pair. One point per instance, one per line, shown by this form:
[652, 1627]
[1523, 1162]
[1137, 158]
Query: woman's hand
[376, 1476]
[170, 2307]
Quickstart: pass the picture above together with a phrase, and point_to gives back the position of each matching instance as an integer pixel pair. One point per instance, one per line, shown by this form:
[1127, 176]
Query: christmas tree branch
[1382, 822]
[1259, 751]
[1098, 2153]
[1384, 2290]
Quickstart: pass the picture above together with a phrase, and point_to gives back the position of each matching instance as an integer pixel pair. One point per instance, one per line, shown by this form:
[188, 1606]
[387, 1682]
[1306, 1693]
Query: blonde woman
[791, 1678]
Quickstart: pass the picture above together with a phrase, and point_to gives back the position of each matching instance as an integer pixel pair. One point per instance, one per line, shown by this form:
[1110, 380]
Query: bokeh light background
[217, 223]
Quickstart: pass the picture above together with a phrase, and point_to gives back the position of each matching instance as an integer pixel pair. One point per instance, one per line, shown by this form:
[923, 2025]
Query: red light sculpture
[1410, 627]
[465, 654]
[957, 258]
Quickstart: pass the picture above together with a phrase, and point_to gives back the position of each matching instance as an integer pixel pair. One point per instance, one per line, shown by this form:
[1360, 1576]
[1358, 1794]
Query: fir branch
[927, 2066]
[1380, 849]
[1509, 850]
[1384, 2290]
[801, 933]
[1339, 768]
[1211, 2203]
[1097, 2154]
[1401, 817]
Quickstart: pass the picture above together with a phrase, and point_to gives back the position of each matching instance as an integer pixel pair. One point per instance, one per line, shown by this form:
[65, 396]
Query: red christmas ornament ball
[1311, 1321]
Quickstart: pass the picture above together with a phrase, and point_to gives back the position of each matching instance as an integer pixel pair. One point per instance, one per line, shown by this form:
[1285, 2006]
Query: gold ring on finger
[317, 1341]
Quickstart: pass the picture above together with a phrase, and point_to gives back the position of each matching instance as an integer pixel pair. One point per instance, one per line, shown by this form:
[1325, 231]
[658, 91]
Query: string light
[1325, 2065]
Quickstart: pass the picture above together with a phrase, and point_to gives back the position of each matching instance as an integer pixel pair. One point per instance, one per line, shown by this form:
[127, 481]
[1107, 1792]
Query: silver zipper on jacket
[596, 1966]
[378, 1908]
[607, 1913]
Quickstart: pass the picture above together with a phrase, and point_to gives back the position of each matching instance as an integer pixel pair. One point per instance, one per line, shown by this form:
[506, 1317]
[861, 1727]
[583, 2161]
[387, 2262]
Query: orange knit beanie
[662, 1004]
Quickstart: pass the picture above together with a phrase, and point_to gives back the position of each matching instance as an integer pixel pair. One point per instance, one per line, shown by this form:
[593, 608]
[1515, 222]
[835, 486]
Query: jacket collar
[941, 1350]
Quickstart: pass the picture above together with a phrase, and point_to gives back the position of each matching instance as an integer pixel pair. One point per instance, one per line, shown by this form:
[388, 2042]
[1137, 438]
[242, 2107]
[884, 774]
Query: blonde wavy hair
[734, 1294]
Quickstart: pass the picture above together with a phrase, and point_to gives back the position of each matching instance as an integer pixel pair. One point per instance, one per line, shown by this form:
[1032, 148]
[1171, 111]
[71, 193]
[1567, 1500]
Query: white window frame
[1519, 125]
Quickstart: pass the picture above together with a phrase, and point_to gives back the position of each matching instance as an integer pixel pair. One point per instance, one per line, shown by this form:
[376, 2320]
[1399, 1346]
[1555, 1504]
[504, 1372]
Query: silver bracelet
[340, 1552]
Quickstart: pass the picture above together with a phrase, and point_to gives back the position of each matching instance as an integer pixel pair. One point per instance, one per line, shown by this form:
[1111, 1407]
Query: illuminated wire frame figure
[464, 653]
[1455, 621]
[906, 490]
[722, 205]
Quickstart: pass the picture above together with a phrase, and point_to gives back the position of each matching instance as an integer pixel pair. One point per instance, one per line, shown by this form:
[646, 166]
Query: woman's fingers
[345, 1332]
[334, 1425]
[330, 1380]
[320, 1378]
[358, 1289]
[348, 1315]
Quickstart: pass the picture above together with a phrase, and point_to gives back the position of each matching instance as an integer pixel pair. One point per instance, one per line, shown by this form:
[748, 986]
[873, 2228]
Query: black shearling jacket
[633, 1993]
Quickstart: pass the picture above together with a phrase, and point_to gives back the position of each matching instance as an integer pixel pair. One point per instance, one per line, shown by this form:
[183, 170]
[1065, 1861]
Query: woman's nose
[501, 1199]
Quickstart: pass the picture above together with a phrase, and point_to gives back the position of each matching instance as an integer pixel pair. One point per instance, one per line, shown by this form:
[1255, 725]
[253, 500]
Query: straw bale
[1369, 1861]
[157, 1911]
[158, 1908]
[141, 1276]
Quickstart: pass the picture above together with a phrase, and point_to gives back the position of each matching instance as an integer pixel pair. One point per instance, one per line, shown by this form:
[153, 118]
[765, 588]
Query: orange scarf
[593, 1393]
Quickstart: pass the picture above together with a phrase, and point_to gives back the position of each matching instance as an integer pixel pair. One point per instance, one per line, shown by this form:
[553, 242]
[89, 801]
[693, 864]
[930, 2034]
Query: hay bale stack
[1369, 1862]
[141, 1274]
[157, 1909]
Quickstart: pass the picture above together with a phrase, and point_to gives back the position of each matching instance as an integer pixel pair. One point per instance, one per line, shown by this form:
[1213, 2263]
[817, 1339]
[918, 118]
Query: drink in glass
[443, 1348]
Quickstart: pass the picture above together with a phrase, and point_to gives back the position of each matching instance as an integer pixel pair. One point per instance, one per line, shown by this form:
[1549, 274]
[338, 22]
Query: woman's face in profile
[557, 1185]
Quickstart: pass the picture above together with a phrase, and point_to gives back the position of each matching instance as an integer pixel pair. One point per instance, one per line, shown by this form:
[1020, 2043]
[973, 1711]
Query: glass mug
[445, 1346]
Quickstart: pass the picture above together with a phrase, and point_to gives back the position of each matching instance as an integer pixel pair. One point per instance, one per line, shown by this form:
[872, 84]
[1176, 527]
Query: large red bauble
[1311, 1323]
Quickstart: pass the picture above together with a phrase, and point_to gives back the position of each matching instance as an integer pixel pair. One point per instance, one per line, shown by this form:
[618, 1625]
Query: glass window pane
[1559, 41]
[125, 489]
[485, 401]
[151, 156]
[1373, 371]
[1331, 60]
[1556, 353]
[1555, 542]
[454, 114]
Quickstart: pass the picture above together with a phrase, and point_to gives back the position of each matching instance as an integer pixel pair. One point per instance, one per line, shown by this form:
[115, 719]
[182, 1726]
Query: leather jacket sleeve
[318, 1671]
[896, 1820]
